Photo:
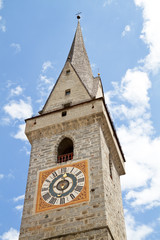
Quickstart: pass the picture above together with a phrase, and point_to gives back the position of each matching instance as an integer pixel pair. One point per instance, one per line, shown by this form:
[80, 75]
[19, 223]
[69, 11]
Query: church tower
[73, 188]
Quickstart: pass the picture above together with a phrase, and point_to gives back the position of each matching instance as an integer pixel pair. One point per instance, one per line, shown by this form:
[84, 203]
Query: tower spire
[79, 59]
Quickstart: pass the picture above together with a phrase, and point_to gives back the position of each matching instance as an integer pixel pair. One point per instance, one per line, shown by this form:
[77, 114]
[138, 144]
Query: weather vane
[78, 15]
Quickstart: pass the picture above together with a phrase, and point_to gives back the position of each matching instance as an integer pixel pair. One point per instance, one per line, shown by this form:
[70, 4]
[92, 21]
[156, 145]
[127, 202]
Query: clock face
[62, 186]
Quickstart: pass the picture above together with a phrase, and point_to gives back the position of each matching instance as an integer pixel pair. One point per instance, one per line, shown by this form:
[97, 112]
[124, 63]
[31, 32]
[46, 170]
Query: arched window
[65, 150]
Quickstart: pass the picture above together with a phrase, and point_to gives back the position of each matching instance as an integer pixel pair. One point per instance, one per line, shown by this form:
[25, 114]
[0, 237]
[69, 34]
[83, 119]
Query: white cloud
[1, 176]
[93, 66]
[126, 30]
[129, 102]
[5, 121]
[1, 4]
[45, 83]
[136, 134]
[134, 87]
[19, 208]
[107, 3]
[10, 176]
[142, 152]
[133, 92]
[12, 234]
[16, 47]
[46, 65]
[45, 80]
[16, 91]
[140, 146]
[19, 198]
[19, 109]
[45, 86]
[150, 32]
[26, 150]
[21, 133]
[134, 230]
[2, 25]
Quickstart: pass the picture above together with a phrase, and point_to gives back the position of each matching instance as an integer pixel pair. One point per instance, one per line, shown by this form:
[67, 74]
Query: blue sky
[122, 39]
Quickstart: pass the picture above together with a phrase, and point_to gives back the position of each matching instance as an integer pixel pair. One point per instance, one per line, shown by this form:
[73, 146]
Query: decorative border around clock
[41, 205]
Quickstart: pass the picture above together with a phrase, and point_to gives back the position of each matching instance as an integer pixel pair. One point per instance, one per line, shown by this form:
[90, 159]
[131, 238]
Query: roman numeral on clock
[47, 181]
[46, 196]
[54, 174]
[81, 180]
[63, 170]
[71, 169]
[78, 173]
[62, 201]
[53, 200]
[78, 188]
[72, 196]
[44, 189]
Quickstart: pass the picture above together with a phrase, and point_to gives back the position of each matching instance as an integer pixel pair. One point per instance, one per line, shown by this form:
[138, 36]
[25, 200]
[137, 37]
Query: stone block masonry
[77, 220]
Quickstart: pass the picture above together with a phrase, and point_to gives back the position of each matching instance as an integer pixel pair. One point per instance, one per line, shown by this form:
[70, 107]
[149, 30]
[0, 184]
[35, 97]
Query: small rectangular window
[67, 71]
[67, 105]
[67, 92]
[64, 113]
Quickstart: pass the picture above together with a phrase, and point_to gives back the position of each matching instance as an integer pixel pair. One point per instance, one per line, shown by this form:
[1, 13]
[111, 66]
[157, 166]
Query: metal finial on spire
[78, 15]
[98, 73]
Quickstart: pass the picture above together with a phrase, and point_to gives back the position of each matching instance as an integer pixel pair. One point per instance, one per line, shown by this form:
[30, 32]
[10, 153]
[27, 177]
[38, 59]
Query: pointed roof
[79, 60]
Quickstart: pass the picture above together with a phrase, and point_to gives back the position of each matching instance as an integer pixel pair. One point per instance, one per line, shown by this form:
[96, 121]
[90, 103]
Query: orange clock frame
[83, 196]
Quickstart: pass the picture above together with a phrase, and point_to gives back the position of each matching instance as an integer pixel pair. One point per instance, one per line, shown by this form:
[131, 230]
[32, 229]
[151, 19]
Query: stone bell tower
[73, 188]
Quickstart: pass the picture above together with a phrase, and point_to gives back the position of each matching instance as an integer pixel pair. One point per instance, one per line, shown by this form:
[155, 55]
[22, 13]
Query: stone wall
[94, 234]
[112, 191]
[74, 218]
[101, 217]
[78, 92]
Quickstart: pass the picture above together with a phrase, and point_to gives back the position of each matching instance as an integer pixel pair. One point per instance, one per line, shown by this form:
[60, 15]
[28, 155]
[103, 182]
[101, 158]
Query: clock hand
[65, 175]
